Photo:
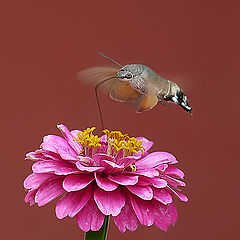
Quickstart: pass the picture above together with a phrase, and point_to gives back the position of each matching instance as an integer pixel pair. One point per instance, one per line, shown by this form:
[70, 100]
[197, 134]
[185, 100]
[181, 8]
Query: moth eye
[128, 75]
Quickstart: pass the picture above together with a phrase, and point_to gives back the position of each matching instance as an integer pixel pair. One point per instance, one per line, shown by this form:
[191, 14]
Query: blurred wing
[96, 75]
[123, 92]
[119, 90]
[148, 102]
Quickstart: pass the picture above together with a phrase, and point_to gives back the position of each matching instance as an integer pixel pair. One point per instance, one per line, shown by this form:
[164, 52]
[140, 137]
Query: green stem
[98, 235]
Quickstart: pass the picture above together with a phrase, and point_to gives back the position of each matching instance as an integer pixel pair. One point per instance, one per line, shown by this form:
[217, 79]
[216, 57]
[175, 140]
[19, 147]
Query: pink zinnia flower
[108, 175]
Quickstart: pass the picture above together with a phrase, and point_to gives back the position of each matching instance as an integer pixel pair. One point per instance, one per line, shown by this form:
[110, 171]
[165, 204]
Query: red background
[43, 46]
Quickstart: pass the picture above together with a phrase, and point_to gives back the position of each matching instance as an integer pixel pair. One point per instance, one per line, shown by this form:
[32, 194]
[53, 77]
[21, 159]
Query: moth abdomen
[171, 92]
[181, 99]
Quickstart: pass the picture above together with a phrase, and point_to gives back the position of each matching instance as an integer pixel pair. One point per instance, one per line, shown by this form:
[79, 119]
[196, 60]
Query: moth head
[124, 74]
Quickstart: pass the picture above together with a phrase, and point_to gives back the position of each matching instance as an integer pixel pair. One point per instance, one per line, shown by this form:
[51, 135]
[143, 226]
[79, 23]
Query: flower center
[116, 142]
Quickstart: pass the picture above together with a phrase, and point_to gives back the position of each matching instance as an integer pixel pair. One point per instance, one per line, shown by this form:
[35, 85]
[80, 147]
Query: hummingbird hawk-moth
[135, 84]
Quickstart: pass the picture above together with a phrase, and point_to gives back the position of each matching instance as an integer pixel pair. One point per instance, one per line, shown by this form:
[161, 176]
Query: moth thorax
[139, 85]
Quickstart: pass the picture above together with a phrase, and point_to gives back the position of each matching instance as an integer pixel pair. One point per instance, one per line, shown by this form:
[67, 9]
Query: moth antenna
[98, 104]
[101, 54]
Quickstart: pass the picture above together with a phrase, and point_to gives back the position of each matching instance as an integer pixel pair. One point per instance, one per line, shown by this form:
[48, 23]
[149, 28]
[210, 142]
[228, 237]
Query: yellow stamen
[88, 140]
[119, 141]
[81, 153]
[116, 142]
[116, 135]
[133, 167]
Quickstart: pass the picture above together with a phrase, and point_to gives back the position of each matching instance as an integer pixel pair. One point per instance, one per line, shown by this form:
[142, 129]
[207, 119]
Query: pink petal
[164, 215]
[76, 182]
[156, 182]
[30, 197]
[127, 218]
[70, 138]
[99, 157]
[71, 203]
[54, 143]
[173, 212]
[105, 183]
[90, 218]
[48, 191]
[88, 169]
[155, 159]
[87, 161]
[145, 143]
[174, 182]
[35, 156]
[66, 154]
[124, 179]
[179, 195]
[162, 195]
[159, 183]
[48, 166]
[75, 133]
[162, 167]
[145, 193]
[48, 155]
[34, 180]
[109, 202]
[126, 161]
[66, 171]
[104, 138]
[143, 211]
[111, 166]
[144, 181]
[175, 172]
[151, 173]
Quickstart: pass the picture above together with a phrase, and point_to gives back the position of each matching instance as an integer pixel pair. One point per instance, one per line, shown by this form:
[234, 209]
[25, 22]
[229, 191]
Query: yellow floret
[121, 141]
[87, 139]
[116, 140]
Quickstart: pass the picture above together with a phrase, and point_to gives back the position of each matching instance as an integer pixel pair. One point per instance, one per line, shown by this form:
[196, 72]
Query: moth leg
[163, 104]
